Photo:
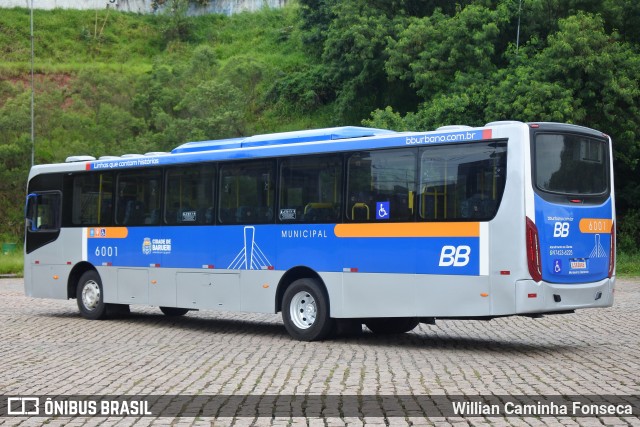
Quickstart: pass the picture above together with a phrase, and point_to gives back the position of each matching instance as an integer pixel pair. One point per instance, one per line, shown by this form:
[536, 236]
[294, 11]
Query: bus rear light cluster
[612, 250]
[533, 251]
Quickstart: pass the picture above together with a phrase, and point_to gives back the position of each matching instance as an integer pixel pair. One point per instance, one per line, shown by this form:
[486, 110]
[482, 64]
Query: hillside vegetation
[114, 83]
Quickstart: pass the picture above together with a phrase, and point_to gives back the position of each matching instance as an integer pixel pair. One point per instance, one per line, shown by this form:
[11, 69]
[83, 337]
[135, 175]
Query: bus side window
[461, 182]
[381, 185]
[189, 195]
[247, 193]
[92, 197]
[43, 211]
[310, 189]
[138, 197]
[134, 213]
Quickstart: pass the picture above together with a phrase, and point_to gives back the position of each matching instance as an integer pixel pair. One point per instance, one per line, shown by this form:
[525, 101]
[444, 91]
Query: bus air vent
[72, 159]
[454, 127]
[503, 123]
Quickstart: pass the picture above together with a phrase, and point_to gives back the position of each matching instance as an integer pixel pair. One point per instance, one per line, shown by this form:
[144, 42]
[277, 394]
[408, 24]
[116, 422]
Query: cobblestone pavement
[46, 348]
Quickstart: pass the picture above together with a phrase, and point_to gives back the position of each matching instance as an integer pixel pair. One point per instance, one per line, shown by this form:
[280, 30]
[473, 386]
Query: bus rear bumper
[543, 297]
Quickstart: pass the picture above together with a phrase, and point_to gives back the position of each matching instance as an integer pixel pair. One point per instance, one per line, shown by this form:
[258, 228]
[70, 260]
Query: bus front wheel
[305, 310]
[391, 325]
[90, 296]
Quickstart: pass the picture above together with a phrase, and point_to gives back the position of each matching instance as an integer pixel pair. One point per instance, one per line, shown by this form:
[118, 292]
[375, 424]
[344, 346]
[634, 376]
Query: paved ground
[46, 348]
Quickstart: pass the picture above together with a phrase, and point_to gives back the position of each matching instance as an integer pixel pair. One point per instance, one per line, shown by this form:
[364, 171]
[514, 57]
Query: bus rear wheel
[305, 310]
[391, 325]
[174, 311]
[90, 296]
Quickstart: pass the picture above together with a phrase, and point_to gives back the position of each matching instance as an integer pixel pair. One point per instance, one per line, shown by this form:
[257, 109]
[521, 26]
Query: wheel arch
[293, 274]
[74, 276]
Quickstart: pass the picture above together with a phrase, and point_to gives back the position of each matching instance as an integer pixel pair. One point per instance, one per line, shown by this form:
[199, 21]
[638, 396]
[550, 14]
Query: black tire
[391, 325]
[90, 297]
[174, 311]
[305, 310]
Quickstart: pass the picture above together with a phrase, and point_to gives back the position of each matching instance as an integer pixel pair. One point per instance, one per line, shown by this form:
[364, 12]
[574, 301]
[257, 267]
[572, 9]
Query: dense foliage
[110, 84]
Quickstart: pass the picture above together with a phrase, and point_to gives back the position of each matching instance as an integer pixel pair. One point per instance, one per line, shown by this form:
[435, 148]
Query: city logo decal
[156, 246]
[146, 246]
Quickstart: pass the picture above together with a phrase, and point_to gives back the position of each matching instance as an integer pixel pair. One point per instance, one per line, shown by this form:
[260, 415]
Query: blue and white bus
[334, 227]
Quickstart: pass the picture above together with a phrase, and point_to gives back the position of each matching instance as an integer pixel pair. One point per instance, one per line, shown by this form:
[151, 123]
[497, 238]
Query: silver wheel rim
[90, 295]
[303, 310]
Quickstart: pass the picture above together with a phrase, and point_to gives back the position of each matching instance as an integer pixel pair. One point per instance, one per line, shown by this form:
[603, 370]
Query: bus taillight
[533, 251]
[612, 250]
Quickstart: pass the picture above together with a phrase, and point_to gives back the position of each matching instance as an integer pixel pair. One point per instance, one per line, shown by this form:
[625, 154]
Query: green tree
[13, 178]
[354, 56]
[583, 76]
[432, 52]
[214, 110]
[247, 75]
[176, 24]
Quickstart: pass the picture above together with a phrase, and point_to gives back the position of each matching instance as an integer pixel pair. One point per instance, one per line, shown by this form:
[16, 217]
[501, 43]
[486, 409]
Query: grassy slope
[71, 40]
[11, 263]
[68, 42]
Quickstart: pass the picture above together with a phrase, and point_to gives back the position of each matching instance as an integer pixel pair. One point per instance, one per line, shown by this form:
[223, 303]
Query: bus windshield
[571, 164]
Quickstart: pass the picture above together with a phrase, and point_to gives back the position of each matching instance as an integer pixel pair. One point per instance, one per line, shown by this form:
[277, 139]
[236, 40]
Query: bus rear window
[571, 164]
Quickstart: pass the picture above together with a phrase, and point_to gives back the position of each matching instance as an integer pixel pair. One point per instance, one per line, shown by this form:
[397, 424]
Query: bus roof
[306, 142]
[326, 134]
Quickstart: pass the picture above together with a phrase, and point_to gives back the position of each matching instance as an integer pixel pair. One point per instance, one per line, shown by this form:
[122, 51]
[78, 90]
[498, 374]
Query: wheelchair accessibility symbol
[557, 266]
[382, 210]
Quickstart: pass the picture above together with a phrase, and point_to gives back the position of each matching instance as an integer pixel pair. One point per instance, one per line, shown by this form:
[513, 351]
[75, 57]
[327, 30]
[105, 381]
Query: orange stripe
[109, 232]
[409, 229]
